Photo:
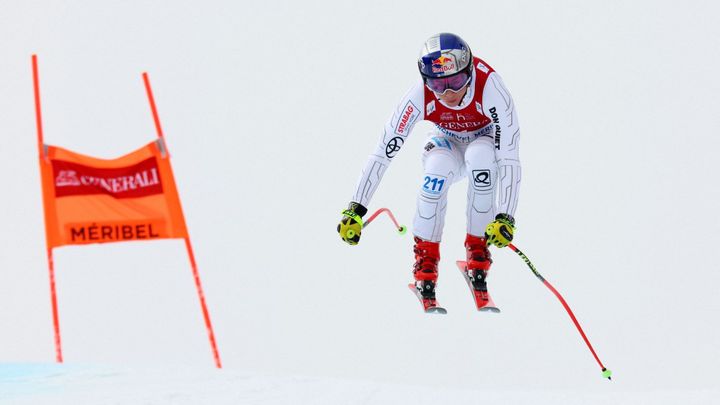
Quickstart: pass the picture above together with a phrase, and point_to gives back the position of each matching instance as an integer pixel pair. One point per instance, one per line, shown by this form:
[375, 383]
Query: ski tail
[430, 306]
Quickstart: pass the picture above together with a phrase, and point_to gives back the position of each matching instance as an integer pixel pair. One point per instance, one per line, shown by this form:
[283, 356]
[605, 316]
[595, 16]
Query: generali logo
[138, 180]
[462, 121]
[67, 178]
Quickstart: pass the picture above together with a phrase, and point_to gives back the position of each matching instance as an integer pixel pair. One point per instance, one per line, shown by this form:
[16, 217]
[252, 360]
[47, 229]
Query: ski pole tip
[607, 374]
[402, 230]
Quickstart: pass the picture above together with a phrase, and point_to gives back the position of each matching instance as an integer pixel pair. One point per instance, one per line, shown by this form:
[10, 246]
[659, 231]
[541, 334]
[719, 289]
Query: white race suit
[478, 139]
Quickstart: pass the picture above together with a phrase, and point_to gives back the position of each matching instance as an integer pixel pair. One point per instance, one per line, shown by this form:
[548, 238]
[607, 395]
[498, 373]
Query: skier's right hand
[350, 225]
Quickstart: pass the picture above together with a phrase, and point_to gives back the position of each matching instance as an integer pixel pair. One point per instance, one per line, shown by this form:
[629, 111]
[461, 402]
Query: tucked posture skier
[476, 135]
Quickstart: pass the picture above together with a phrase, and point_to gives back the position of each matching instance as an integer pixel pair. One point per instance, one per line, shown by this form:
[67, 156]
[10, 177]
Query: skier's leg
[442, 163]
[482, 178]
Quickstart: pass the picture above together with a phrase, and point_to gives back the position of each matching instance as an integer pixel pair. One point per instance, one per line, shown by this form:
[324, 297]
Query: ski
[482, 298]
[429, 305]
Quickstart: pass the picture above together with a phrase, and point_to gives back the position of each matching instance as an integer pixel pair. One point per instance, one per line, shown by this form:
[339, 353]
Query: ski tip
[607, 374]
[436, 310]
[494, 310]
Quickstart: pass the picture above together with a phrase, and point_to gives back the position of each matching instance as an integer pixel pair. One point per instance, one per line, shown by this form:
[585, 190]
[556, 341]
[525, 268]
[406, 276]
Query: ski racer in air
[475, 136]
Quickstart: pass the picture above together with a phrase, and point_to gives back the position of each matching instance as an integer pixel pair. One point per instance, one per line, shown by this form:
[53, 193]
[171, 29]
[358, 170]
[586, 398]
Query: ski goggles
[442, 84]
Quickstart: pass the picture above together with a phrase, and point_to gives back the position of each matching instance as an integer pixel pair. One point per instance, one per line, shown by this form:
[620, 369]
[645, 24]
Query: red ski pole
[400, 228]
[605, 372]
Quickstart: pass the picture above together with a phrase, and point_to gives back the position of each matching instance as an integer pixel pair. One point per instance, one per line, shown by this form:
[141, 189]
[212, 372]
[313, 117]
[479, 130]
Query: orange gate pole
[188, 245]
[51, 266]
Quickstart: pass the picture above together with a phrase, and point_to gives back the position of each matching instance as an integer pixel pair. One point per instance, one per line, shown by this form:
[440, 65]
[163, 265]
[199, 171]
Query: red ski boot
[475, 272]
[427, 256]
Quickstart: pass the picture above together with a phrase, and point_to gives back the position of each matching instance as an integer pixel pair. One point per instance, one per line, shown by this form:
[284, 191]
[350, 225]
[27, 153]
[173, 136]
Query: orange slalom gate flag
[91, 200]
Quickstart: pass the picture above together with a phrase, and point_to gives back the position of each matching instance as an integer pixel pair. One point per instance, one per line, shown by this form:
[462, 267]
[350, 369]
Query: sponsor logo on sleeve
[496, 120]
[407, 118]
[393, 147]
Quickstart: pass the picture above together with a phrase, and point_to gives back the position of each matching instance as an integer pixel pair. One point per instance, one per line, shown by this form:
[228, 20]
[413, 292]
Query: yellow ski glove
[350, 226]
[500, 231]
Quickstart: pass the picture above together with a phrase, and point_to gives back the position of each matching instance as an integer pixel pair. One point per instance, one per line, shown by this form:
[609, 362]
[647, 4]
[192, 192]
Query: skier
[476, 135]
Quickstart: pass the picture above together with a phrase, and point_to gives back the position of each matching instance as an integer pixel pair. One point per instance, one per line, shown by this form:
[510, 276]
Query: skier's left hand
[500, 231]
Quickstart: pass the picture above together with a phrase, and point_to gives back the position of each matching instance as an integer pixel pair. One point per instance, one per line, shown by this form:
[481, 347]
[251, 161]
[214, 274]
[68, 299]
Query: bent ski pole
[605, 372]
[400, 228]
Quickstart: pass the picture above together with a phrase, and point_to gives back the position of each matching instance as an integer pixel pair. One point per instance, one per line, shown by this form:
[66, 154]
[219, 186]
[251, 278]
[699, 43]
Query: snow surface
[82, 384]
[270, 109]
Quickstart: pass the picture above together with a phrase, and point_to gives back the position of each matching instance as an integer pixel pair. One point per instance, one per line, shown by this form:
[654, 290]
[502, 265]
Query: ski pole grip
[353, 215]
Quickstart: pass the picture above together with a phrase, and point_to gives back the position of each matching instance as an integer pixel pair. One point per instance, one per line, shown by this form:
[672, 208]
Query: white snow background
[270, 109]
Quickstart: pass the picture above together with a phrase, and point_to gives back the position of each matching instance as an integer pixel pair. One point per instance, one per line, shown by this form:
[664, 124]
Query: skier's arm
[408, 112]
[499, 106]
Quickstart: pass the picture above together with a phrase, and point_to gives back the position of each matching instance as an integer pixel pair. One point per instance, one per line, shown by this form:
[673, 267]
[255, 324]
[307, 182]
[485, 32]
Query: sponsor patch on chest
[430, 108]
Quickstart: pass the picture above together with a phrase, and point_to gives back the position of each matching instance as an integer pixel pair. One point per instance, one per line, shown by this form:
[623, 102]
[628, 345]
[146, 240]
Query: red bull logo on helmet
[443, 64]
